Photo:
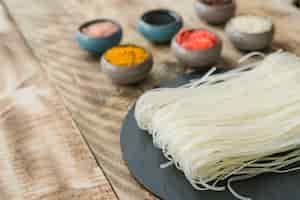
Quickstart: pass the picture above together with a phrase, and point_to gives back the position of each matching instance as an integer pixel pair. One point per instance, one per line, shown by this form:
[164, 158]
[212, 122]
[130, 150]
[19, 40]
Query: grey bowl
[198, 59]
[215, 14]
[127, 75]
[249, 41]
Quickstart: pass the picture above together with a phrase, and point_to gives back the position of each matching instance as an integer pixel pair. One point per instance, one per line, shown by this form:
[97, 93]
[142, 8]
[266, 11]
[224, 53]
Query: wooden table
[96, 105]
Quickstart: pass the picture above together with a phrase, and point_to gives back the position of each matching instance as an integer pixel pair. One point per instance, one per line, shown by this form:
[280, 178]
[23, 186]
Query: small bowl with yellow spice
[127, 64]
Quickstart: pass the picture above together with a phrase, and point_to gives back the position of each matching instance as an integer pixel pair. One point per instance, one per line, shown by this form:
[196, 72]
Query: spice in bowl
[197, 47]
[127, 64]
[250, 32]
[126, 56]
[215, 11]
[100, 29]
[251, 24]
[98, 35]
[160, 25]
[196, 39]
[217, 2]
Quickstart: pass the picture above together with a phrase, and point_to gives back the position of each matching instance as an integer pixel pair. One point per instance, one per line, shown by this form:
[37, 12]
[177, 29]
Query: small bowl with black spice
[160, 26]
[127, 64]
[197, 48]
[215, 11]
[250, 33]
[98, 35]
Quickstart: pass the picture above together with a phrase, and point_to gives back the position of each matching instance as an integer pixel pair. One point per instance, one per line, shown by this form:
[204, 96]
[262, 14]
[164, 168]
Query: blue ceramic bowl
[160, 26]
[98, 45]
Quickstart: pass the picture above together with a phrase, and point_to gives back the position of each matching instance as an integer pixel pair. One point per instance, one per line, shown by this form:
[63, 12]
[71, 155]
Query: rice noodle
[234, 125]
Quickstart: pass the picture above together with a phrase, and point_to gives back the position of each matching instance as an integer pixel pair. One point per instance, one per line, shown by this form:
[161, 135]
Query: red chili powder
[100, 29]
[196, 39]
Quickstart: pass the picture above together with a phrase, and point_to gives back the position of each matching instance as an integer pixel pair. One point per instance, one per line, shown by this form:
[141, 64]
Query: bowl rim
[172, 13]
[129, 67]
[229, 25]
[87, 23]
[219, 41]
[233, 2]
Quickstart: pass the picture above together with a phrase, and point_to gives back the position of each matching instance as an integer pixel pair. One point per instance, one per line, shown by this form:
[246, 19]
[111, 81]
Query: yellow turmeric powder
[126, 55]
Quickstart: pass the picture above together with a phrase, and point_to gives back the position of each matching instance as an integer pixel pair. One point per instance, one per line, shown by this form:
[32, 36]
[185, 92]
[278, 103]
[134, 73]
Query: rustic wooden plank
[42, 154]
[94, 102]
[98, 106]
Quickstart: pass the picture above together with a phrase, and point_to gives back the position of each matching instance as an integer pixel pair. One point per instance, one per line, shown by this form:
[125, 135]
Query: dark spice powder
[217, 2]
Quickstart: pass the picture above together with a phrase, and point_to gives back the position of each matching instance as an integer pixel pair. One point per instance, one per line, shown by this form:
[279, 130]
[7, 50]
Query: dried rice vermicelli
[246, 125]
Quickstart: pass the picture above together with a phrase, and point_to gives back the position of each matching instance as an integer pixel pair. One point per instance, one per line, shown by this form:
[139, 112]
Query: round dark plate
[144, 161]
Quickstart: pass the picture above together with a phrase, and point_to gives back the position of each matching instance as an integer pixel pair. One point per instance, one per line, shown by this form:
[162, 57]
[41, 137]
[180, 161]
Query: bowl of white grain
[250, 33]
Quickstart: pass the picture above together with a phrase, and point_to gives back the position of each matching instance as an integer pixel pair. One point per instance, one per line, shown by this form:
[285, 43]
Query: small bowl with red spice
[215, 11]
[98, 35]
[197, 48]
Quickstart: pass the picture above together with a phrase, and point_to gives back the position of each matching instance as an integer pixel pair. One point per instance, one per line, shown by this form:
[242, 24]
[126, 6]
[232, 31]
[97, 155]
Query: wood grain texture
[98, 106]
[42, 153]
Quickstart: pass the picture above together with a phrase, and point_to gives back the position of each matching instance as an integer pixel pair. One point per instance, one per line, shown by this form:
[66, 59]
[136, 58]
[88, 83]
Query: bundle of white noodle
[244, 126]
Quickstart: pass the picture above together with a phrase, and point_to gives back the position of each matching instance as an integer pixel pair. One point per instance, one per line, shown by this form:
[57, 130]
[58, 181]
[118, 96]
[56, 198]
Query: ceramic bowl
[160, 26]
[127, 74]
[249, 41]
[215, 14]
[98, 45]
[200, 58]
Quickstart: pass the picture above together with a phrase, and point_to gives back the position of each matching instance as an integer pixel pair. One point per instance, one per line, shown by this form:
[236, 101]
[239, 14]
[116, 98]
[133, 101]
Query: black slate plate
[170, 184]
